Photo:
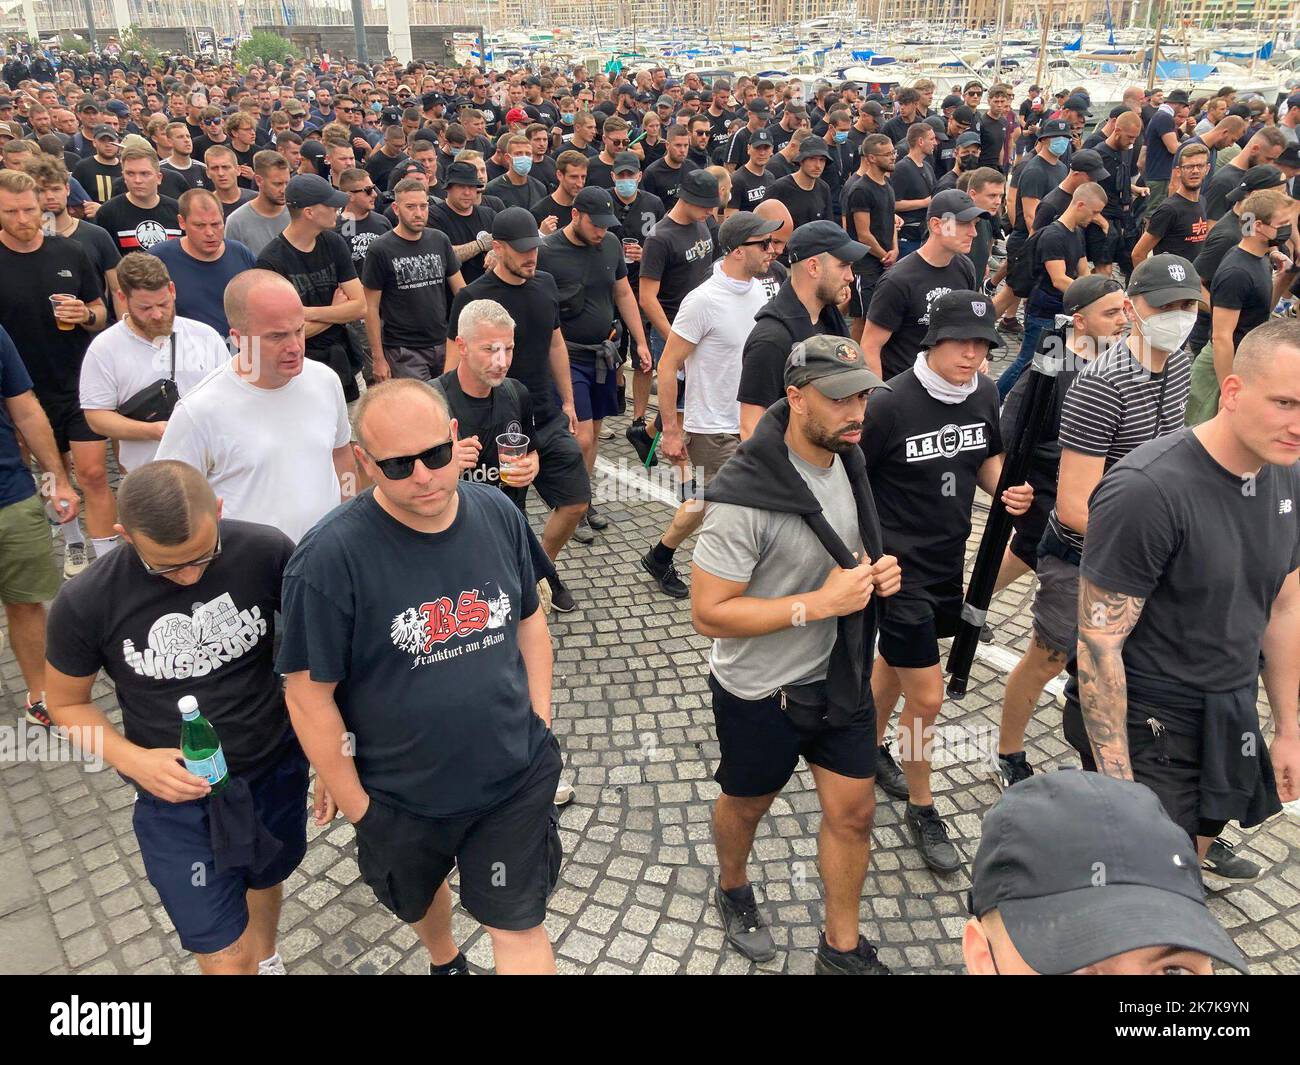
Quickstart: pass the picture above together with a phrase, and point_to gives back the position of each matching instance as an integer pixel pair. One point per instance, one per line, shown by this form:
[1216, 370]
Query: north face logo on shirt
[199, 643]
[945, 443]
[418, 630]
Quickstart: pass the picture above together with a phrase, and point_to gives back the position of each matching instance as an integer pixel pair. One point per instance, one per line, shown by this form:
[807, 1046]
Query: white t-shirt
[119, 363]
[716, 317]
[267, 452]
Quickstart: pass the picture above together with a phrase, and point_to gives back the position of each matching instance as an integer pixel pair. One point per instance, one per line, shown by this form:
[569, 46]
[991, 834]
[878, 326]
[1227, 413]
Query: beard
[834, 442]
[154, 330]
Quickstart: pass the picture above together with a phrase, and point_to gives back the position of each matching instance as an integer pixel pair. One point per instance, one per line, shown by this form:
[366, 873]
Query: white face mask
[1168, 330]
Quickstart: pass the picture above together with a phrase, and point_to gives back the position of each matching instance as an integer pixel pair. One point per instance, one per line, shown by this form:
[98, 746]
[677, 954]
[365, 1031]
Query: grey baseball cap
[1164, 279]
[744, 226]
[835, 366]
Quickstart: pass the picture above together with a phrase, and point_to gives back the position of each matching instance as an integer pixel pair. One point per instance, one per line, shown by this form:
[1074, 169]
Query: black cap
[758, 106]
[700, 189]
[1164, 279]
[1264, 176]
[311, 190]
[1115, 112]
[314, 150]
[964, 115]
[872, 108]
[744, 226]
[951, 100]
[940, 126]
[816, 238]
[835, 366]
[968, 138]
[1178, 96]
[518, 228]
[1293, 101]
[1075, 103]
[596, 204]
[105, 132]
[624, 162]
[626, 90]
[404, 169]
[459, 173]
[431, 99]
[88, 107]
[390, 116]
[812, 147]
[1054, 127]
[760, 138]
[956, 203]
[1089, 162]
[962, 314]
[1082, 867]
[1290, 156]
[1085, 291]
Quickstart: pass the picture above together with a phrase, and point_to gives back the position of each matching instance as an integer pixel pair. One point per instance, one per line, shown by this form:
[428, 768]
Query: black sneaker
[641, 440]
[458, 966]
[666, 576]
[561, 597]
[1222, 862]
[744, 925]
[1010, 325]
[583, 533]
[860, 961]
[889, 776]
[930, 835]
[595, 518]
[1012, 769]
[37, 714]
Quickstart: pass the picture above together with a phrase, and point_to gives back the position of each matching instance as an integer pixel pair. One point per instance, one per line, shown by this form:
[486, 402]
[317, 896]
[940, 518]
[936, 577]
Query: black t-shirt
[139, 228]
[679, 256]
[194, 176]
[1179, 226]
[779, 324]
[1243, 282]
[1169, 525]
[912, 182]
[420, 633]
[562, 212]
[52, 355]
[877, 199]
[1037, 179]
[530, 192]
[1122, 168]
[227, 209]
[719, 128]
[159, 641]
[660, 179]
[779, 166]
[924, 457]
[902, 300]
[1215, 191]
[535, 307]
[317, 275]
[486, 418]
[585, 277]
[412, 275]
[748, 189]
[463, 229]
[600, 174]
[804, 205]
[896, 128]
[993, 137]
[97, 178]
[360, 234]
[1225, 236]
[98, 246]
[1054, 242]
[636, 221]
[1160, 160]
[379, 166]
[1051, 207]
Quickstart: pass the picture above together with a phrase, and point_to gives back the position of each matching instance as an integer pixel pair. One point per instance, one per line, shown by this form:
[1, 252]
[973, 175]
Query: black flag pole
[997, 530]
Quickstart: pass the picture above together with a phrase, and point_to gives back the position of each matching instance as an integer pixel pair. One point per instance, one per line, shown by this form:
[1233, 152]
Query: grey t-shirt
[253, 230]
[777, 555]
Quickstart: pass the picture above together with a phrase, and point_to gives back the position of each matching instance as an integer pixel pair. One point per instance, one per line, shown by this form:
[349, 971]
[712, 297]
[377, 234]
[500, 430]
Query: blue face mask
[1058, 146]
[521, 164]
[567, 118]
[625, 188]
[377, 106]
[841, 136]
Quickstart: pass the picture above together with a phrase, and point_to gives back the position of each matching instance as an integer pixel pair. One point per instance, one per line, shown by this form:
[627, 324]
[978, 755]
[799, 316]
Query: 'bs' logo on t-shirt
[418, 630]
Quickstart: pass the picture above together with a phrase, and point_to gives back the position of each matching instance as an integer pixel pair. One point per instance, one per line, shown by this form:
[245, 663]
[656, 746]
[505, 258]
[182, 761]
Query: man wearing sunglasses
[418, 668]
[187, 607]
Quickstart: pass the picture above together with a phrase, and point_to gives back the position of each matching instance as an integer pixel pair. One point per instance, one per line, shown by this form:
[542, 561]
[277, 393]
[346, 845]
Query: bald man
[270, 429]
[418, 670]
[184, 558]
[774, 277]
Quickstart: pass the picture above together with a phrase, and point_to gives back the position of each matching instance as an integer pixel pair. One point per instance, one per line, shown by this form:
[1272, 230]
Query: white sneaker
[544, 596]
[563, 793]
[74, 560]
[272, 966]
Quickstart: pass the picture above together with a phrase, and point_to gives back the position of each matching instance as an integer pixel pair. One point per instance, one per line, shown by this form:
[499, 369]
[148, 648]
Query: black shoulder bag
[155, 402]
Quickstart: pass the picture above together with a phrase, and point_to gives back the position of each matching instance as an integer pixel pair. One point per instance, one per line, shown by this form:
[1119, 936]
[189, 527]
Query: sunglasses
[401, 467]
[163, 571]
[366, 190]
[212, 121]
[766, 244]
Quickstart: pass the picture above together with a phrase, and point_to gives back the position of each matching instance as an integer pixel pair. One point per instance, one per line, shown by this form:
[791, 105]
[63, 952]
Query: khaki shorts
[28, 573]
[708, 451]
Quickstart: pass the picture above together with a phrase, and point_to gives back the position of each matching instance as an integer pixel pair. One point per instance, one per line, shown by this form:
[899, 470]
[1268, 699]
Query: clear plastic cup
[511, 447]
[55, 300]
[629, 242]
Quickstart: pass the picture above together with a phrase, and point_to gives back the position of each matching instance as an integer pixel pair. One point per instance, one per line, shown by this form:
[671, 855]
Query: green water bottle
[200, 746]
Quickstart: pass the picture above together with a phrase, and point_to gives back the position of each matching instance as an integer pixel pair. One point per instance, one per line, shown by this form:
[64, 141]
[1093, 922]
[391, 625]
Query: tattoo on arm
[1105, 620]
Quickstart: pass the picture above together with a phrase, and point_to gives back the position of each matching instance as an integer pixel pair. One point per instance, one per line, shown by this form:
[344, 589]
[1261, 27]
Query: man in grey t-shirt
[264, 217]
[793, 635]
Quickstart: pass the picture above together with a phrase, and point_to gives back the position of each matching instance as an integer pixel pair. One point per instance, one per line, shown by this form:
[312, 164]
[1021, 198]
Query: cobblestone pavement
[632, 713]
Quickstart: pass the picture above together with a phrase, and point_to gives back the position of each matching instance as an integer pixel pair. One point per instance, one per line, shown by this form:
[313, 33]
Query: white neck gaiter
[943, 391]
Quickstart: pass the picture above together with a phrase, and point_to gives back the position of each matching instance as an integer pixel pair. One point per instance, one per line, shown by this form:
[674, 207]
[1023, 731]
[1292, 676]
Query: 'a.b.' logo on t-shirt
[418, 630]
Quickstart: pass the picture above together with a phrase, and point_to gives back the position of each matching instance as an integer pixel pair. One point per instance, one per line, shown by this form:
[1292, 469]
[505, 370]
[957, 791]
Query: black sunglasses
[163, 571]
[366, 190]
[765, 244]
[399, 467]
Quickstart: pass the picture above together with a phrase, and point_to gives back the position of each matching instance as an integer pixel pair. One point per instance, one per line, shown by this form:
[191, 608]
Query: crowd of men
[333, 325]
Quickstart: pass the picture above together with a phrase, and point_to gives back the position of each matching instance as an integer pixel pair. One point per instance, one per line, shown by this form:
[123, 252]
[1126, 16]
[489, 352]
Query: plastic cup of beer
[55, 300]
[511, 447]
[628, 244]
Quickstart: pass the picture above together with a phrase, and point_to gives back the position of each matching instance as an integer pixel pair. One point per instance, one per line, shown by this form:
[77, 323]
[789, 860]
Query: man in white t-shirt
[137, 352]
[269, 429]
[708, 337]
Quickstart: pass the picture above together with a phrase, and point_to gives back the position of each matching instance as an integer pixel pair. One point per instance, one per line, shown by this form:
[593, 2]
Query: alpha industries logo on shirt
[198, 643]
[419, 630]
[946, 443]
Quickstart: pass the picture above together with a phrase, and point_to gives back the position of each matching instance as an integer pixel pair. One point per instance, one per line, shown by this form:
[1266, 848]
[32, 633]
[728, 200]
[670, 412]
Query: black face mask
[1281, 237]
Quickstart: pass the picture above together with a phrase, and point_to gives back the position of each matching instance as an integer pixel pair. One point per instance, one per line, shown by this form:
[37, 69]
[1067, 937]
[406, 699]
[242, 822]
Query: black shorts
[67, 420]
[1024, 542]
[760, 746]
[864, 285]
[405, 858]
[1167, 763]
[915, 621]
[1106, 249]
[561, 472]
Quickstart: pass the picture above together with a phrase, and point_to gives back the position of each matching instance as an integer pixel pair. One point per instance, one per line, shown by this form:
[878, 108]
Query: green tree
[70, 42]
[133, 40]
[263, 47]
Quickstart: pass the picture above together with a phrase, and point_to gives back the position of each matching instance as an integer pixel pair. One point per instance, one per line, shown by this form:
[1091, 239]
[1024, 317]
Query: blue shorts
[209, 909]
[593, 401]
